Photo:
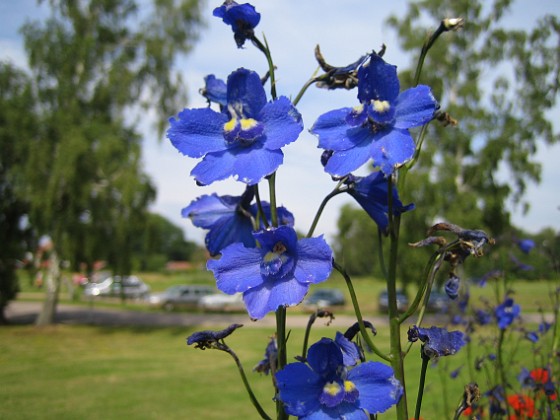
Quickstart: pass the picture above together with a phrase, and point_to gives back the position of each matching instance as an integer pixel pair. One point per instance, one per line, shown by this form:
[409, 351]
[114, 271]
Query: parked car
[131, 286]
[324, 298]
[383, 301]
[180, 296]
[222, 302]
[439, 302]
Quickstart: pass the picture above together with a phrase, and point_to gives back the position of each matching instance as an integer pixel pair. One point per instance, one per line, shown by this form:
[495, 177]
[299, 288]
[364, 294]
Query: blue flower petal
[394, 148]
[197, 132]
[215, 90]
[414, 107]
[350, 352]
[285, 234]
[245, 91]
[207, 210]
[341, 163]
[271, 295]
[299, 388]
[238, 269]
[282, 123]
[342, 411]
[325, 357]
[214, 167]
[333, 130]
[378, 80]
[314, 263]
[229, 230]
[252, 165]
[379, 389]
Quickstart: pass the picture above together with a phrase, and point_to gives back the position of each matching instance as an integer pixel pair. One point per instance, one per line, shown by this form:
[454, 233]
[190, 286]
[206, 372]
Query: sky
[345, 31]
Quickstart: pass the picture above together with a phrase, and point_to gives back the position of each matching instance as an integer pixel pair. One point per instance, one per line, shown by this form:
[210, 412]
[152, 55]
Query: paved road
[19, 312]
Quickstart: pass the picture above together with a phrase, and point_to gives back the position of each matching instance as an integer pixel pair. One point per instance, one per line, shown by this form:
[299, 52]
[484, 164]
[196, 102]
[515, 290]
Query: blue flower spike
[243, 18]
[437, 341]
[325, 388]
[378, 127]
[211, 339]
[243, 141]
[278, 274]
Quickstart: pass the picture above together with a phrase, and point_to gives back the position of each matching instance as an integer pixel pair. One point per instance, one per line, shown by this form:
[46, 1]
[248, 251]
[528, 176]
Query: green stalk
[501, 367]
[272, 194]
[282, 354]
[332, 194]
[254, 400]
[424, 369]
[358, 312]
[266, 51]
[397, 356]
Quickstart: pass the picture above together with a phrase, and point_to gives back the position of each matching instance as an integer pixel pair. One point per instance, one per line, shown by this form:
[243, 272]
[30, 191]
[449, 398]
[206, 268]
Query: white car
[222, 302]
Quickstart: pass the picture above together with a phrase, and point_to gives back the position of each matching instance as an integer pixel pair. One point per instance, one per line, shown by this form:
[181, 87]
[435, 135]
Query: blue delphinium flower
[325, 388]
[242, 18]
[452, 287]
[215, 90]
[378, 128]
[506, 312]
[277, 274]
[229, 219]
[371, 192]
[526, 245]
[482, 317]
[245, 140]
[437, 341]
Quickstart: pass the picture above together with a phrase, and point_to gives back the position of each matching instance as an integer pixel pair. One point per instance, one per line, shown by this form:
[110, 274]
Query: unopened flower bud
[453, 24]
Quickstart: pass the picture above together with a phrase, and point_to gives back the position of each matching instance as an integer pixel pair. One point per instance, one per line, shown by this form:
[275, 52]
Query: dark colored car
[324, 298]
[181, 296]
[383, 301]
[439, 302]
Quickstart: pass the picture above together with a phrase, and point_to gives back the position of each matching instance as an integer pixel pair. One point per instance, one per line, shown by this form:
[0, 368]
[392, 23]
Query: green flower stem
[272, 193]
[260, 214]
[424, 369]
[380, 253]
[425, 48]
[501, 367]
[266, 51]
[397, 356]
[358, 312]
[282, 354]
[303, 90]
[332, 194]
[254, 400]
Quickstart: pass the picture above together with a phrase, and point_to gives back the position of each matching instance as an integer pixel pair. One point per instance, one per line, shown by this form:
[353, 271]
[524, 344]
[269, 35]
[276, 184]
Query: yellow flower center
[332, 388]
[381, 106]
[349, 386]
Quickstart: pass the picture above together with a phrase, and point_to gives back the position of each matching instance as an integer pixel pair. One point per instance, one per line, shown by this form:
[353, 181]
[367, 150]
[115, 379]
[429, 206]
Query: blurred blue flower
[245, 140]
[452, 287]
[526, 245]
[506, 312]
[482, 317]
[215, 90]
[377, 128]
[324, 388]
[270, 358]
[242, 18]
[532, 336]
[437, 341]
[371, 192]
[229, 219]
[211, 339]
[277, 274]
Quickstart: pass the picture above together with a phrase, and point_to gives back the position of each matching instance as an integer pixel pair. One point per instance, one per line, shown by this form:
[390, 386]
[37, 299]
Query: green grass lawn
[86, 372]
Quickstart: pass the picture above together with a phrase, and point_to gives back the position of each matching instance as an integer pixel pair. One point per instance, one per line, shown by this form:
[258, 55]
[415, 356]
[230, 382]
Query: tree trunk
[52, 285]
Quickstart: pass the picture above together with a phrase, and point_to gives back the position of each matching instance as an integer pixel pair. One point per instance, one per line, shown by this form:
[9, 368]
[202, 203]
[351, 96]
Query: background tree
[95, 66]
[17, 122]
[498, 83]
